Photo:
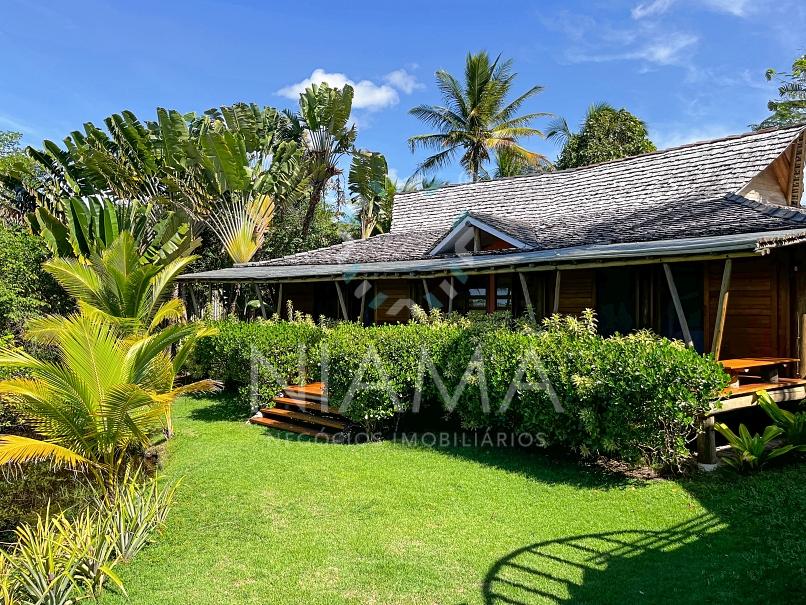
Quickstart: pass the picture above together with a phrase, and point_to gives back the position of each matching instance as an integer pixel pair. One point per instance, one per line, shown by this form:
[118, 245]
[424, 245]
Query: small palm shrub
[101, 398]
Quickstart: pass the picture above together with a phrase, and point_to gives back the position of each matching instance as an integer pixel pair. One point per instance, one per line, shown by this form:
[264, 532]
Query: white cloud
[368, 95]
[738, 8]
[669, 50]
[674, 135]
[657, 7]
[404, 81]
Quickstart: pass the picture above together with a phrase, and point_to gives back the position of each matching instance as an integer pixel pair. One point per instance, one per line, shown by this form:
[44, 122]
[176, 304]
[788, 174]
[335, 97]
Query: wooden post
[476, 239]
[721, 310]
[526, 297]
[802, 349]
[363, 299]
[427, 296]
[280, 300]
[556, 308]
[196, 312]
[706, 442]
[451, 294]
[678, 306]
[260, 300]
[341, 301]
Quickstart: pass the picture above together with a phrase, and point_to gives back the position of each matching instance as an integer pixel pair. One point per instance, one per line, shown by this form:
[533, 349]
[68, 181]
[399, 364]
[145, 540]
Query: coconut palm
[102, 396]
[476, 118]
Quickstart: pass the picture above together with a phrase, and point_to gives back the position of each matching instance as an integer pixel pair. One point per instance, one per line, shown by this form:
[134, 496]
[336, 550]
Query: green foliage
[228, 355]
[59, 560]
[476, 117]
[368, 184]
[605, 134]
[752, 451]
[790, 109]
[635, 397]
[792, 424]
[102, 396]
[26, 290]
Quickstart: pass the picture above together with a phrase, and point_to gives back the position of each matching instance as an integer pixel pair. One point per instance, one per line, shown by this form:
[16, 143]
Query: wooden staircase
[303, 410]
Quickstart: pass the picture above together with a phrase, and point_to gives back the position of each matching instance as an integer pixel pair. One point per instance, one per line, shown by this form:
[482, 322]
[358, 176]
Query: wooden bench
[768, 367]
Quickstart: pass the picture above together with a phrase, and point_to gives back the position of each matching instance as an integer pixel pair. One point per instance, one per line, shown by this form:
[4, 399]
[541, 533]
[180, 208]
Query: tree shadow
[747, 549]
[225, 407]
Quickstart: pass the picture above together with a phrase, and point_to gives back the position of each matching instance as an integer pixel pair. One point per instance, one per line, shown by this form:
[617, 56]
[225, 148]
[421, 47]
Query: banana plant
[793, 425]
[752, 451]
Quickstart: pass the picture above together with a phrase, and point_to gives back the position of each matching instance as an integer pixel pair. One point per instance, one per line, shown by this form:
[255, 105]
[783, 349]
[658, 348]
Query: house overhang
[594, 255]
[460, 238]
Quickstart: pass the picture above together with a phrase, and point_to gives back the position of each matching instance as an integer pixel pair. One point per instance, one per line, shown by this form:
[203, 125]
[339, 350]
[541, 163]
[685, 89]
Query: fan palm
[102, 395]
[119, 285]
[476, 118]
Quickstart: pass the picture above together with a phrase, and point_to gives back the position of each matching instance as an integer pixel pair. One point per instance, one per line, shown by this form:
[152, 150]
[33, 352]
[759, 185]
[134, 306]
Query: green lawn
[263, 520]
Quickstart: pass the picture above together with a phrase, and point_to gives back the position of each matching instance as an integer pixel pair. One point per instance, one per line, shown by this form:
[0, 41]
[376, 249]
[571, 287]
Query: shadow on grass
[747, 549]
[224, 407]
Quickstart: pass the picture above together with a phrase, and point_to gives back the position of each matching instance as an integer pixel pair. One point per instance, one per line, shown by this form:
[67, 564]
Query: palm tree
[119, 286]
[476, 118]
[369, 186]
[103, 395]
[322, 126]
[509, 163]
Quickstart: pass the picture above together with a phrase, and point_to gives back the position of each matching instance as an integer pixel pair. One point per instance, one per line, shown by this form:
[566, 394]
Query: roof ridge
[616, 160]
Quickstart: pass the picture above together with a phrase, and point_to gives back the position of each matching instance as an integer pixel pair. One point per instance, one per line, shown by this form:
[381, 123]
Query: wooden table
[768, 367]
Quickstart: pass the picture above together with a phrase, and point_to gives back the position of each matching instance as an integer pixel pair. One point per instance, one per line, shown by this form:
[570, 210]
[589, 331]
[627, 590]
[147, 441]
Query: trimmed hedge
[635, 397]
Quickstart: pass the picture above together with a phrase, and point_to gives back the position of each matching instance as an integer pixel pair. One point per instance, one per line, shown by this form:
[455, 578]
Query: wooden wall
[577, 291]
[396, 291]
[757, 323]
[300, 295]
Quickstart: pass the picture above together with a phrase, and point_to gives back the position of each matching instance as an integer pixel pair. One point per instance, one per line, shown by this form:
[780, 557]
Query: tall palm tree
[476, 118]
[322, 126]
[103, 394]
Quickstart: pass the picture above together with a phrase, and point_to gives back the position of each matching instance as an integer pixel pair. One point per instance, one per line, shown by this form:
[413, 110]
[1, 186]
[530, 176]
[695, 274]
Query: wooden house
[705, 243]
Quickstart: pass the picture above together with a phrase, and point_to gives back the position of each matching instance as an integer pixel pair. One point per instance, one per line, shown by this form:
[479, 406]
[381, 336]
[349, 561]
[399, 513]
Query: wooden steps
[303, 410]
[293, 428]
[302, 416]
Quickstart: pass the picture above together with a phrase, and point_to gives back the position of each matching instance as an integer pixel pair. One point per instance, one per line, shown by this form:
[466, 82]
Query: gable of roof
[460, 239]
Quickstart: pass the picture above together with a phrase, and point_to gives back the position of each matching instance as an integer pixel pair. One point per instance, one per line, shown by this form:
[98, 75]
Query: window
[477, 287]
[503, 292]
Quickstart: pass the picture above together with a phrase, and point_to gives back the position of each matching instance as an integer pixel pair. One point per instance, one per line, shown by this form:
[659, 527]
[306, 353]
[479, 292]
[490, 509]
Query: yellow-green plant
[752, 451]
[793, 425]
[118, 284]
[103, 395]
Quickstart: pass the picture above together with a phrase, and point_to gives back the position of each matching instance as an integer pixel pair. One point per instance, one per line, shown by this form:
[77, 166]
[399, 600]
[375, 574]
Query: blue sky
[692, 70]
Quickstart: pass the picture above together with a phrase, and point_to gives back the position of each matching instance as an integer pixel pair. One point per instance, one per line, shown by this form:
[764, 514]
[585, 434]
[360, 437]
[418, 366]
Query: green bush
[636, 397]
[228, 356]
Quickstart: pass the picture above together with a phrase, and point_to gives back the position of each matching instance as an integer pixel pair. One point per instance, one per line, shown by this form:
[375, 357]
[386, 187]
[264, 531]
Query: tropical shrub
[793, 425]
[102, 396]
[752, 452]
[635, 397]
[60, 560]
[230, 354]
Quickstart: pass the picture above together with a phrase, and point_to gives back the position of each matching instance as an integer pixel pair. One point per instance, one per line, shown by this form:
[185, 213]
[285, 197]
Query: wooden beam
[556, 308]
[678, 306]
[802, 347]
[721, 310]
[427, 296]
[476, 239]
[280, 300]
[451, 295]
[526, 298]
[260, 300]
[196, 312]
[341, 301]
[706, 442]
[363, 300]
